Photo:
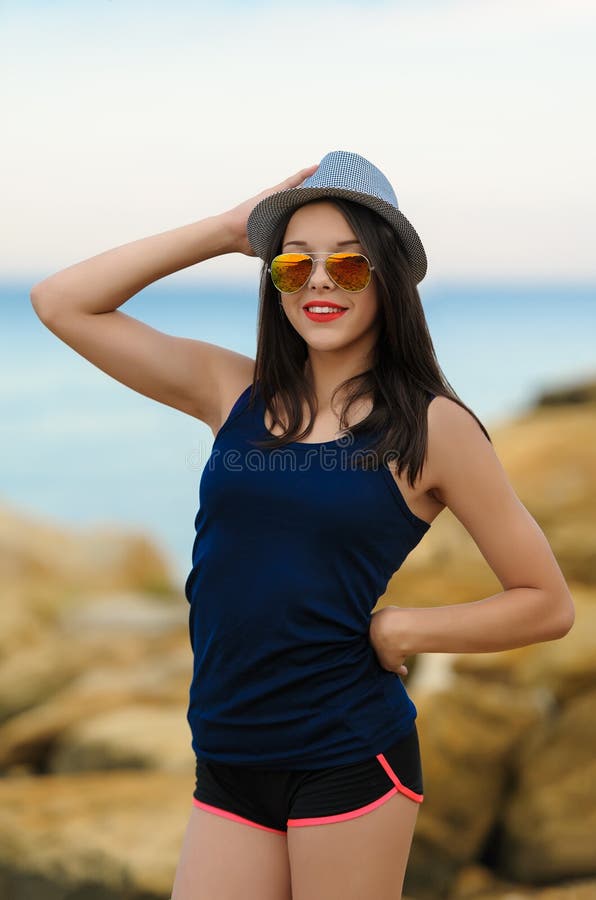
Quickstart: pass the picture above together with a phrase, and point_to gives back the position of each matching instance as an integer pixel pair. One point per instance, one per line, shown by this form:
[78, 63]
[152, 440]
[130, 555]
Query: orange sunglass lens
[290, 271]
[349, 270]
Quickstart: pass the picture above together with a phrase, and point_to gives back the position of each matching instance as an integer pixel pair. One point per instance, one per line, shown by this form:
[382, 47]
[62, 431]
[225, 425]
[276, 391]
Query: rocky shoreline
[96, 766]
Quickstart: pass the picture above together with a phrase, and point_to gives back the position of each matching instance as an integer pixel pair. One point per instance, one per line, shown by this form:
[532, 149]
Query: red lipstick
[323, 316]
[312, 305]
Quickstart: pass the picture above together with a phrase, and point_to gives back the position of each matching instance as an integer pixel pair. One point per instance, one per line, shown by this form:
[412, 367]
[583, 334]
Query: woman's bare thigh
[226, 860]
[358, 858]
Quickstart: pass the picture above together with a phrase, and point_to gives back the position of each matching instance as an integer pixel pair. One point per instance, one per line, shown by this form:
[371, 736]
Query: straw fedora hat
[340, 174]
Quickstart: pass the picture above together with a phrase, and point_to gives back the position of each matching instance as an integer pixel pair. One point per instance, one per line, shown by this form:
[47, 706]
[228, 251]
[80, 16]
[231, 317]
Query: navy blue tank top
[293, 548]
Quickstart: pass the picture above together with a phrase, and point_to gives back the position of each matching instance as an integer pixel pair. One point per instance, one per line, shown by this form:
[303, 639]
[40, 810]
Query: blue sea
[79, 448]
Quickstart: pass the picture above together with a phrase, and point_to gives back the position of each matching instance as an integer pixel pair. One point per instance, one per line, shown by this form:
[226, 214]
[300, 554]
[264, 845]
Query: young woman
[334, 451]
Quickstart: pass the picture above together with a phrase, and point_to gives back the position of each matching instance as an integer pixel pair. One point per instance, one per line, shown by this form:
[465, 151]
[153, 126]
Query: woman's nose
[320, 275]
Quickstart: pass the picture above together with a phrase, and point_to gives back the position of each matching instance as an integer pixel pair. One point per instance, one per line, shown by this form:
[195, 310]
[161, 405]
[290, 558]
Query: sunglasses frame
[315, 258]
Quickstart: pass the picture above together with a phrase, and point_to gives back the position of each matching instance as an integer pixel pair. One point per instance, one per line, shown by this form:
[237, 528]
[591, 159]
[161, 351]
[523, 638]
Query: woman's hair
[404, 366]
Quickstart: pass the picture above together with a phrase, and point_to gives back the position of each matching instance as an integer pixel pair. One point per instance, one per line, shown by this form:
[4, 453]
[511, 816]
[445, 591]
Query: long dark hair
[404, 368]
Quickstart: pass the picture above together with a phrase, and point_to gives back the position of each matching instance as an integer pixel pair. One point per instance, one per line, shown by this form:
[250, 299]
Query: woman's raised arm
[79, 305]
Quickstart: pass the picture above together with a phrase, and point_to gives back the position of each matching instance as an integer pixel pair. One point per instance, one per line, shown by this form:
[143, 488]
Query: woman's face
[320, 228]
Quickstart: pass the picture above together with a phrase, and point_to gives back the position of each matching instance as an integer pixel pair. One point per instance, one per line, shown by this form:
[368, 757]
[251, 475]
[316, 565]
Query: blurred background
[124, 119]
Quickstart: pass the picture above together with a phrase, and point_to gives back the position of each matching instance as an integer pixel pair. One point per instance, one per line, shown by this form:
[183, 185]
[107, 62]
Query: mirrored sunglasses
[349, 271]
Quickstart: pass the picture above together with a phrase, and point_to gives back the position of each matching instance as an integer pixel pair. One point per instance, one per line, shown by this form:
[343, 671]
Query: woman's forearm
[513, 618]
[104, 282]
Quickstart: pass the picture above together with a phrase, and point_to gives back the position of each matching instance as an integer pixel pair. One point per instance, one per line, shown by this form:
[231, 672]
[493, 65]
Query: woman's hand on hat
[238, 215]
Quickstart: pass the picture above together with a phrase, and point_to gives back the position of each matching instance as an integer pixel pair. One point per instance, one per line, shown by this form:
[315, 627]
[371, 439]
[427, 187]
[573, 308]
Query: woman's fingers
[297, 178]
[238, 216]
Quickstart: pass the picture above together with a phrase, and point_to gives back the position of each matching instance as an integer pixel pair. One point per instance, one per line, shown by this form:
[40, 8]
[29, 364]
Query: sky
[123, 118]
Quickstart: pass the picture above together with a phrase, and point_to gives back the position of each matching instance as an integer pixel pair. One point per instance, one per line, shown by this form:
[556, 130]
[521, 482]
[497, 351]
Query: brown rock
[575, 890]
[137, 674]
[46, 568]
[467, 736]
[550, 819]
[477, 882]
[138, 737]
[116, 834]
[31, 675]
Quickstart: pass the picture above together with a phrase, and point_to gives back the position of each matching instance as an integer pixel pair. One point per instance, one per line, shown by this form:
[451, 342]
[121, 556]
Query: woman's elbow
[566, 617]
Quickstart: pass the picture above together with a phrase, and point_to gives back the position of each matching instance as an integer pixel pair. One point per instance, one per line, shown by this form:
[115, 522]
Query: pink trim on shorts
[399, 787]
[322, 820]
[233, 816]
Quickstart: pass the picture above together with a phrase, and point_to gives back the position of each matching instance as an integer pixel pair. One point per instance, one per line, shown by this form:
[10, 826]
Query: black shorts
[275, 799]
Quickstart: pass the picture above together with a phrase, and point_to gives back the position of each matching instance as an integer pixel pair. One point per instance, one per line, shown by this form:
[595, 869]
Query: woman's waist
[287, 682]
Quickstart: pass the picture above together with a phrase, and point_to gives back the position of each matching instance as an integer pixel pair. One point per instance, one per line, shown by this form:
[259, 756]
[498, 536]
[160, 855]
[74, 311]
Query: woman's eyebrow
[339, 243]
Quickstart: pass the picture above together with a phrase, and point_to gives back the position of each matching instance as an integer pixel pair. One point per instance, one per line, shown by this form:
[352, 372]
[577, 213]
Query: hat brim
[267, 214]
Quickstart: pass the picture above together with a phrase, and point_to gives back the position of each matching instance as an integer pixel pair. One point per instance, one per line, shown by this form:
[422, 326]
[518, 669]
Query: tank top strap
[240, 404]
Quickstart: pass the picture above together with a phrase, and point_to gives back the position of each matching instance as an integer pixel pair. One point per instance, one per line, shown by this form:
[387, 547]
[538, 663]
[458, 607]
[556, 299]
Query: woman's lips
[323, 317]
